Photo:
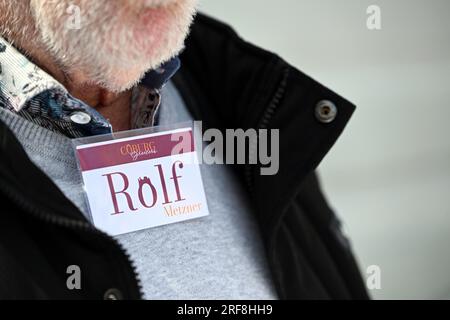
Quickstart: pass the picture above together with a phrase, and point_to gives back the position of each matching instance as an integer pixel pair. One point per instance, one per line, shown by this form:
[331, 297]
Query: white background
[389, 175]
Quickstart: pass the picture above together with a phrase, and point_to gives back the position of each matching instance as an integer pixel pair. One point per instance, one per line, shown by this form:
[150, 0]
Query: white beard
[112, 48]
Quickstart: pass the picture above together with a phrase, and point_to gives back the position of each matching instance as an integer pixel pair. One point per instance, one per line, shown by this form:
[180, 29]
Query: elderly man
[127, 65]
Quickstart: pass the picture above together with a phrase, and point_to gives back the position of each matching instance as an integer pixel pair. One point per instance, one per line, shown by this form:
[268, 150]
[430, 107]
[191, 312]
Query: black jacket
[227, 83]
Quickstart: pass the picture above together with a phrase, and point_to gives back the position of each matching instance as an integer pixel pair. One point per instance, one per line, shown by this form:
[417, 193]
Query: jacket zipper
[69, 223]
[264, 123]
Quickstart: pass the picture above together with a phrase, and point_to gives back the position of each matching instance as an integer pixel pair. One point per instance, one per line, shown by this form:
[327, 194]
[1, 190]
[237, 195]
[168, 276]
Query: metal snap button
[113, 294]
[80, 117]
[326, 111]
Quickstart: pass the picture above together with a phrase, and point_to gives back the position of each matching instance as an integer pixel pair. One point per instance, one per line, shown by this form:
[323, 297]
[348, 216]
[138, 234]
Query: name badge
[143, 181]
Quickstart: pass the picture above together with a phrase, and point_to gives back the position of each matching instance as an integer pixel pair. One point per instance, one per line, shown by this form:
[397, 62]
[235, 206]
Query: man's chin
[160, 32]
[117, 52]
[119, 80]
[158, 35]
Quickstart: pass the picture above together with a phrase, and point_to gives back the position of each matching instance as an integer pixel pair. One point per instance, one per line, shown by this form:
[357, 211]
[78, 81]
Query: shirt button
[326, 111]
[80, 117]
[113, 294]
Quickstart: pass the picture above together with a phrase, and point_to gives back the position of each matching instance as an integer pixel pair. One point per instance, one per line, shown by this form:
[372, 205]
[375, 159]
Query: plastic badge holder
[142, 178]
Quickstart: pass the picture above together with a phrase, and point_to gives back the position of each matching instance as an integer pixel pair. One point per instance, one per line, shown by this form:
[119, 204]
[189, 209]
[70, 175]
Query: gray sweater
[216, 257]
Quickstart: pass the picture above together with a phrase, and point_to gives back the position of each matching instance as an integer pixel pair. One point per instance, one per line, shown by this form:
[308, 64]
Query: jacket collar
[253, 88]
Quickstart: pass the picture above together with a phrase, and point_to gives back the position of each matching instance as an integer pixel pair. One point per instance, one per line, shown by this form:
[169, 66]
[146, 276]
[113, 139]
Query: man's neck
[113, 106]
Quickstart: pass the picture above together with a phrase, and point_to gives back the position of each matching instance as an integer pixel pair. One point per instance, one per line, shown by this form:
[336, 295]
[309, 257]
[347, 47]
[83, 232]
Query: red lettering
[145, 188]
[114, 192]
[163, 184]
[175, 179]
[142, 183]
